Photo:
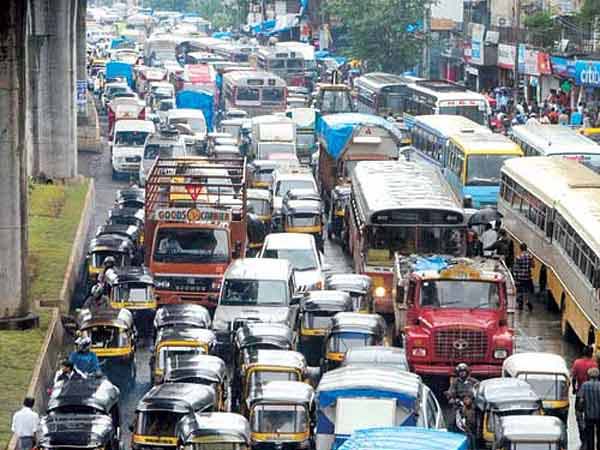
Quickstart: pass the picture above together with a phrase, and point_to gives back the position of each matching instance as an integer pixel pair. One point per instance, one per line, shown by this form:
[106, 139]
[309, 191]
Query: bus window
[277, 64]
[274, 95]
[247, 94]
[294, 64]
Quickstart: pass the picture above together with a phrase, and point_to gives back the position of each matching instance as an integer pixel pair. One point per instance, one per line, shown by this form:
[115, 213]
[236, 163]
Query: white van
[164, 145]
[192, 118]
[127, 146]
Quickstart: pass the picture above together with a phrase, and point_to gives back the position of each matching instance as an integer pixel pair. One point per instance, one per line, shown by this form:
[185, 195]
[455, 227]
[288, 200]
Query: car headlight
[162, 284]
[419, 351]
[380, 291]
[500, 353]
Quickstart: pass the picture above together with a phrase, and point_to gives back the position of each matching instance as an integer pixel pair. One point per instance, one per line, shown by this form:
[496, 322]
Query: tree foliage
[221, 15]
[377, 31]
[589, 11]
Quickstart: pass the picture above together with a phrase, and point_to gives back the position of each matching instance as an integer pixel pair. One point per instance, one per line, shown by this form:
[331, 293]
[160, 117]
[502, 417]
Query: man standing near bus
[524, 264]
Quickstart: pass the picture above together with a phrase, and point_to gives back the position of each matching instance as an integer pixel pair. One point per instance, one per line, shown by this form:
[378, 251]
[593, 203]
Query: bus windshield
[475, 112]
[484, 170]
[459, 294]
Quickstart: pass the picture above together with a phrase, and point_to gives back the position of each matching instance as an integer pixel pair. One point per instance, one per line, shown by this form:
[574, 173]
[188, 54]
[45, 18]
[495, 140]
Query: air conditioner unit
[503, 21]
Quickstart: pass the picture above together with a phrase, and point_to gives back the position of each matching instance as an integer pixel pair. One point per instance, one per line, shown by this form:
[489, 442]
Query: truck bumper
[207, 299]
[477, 370]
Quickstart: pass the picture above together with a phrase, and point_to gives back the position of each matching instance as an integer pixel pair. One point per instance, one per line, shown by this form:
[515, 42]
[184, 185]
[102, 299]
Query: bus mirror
[596, 279]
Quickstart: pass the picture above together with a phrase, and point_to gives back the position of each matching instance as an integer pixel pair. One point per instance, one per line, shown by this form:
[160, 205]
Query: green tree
[377, 31]
[219, 14]
[542, 29]
[589, 10]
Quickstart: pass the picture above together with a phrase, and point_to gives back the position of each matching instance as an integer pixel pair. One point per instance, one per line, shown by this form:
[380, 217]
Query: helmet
[462, 367]
[83, 343]
[109, 261]
[97, 290]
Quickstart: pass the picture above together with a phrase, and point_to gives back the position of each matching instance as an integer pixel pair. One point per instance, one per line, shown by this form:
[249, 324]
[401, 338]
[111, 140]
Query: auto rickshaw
[131, 232]
[254, 336]
[261, 173]
[340, 196]
[94, 395]
[185, 315]
[205, 431]
[131, 197]
[259, 204]
[518, 432]
[161, 408]
[316, 310]
[376, 356]
[113, 338]
[133, 288]
[348, 330]
[120, 248]
[303, 216]
[497, 397]
[358, 286]
[547, 374]
[177, 340]
[281, 415]
[127, 216]
[207, 370]
[262, 366]
[77, 432]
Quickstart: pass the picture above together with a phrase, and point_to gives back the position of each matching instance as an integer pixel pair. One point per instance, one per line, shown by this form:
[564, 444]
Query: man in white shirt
[25, 424]
[488, 237]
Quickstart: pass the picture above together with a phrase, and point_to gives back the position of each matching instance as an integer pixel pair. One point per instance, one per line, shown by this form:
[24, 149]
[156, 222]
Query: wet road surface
[536, 331]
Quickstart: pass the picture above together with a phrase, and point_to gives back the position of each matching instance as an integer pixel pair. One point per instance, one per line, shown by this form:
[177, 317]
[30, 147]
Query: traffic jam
[241, 166]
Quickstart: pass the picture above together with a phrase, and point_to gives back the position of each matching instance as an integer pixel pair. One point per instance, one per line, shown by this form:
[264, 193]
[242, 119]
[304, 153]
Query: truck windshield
[191, 245]
[459, 294]
[254, 292]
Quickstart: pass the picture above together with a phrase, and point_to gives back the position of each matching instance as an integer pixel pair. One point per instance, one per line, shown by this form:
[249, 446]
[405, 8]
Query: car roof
[135, 125]
[259, 269]
[185, 113]
[291, 241]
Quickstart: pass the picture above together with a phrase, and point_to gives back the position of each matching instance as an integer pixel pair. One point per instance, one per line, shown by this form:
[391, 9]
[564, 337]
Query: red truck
[449, 311]
[195, 226]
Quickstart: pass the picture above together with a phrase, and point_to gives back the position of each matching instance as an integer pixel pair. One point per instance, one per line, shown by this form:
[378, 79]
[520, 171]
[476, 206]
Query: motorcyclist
[97, 299]
[460, 385]
[109, 265]
[84, 360]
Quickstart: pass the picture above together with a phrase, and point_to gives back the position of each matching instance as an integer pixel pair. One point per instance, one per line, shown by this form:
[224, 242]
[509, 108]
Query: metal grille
[191, 284]
[461, 345]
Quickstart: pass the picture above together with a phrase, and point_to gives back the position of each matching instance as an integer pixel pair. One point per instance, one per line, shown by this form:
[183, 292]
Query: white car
[127, 146]
[301, 251]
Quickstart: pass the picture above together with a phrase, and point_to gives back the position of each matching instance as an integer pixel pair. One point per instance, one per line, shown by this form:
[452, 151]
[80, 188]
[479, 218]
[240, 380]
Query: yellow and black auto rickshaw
[121, 248]
[340, 196]
[131, 197]
[498, 397]
[349, 330]
[182, 315]
[317, 309]
[524, 432]
[281, 415]
[177, 340]
[216, 430]
[162, 407]
[259, 220]
[132, 287]
[303, 216]
[121, 215]
[113, 338]
[358, 286]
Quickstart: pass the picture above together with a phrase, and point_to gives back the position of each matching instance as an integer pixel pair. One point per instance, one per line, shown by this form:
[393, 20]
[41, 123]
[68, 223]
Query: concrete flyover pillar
[54, 102]
[80, 42]
[13, 179]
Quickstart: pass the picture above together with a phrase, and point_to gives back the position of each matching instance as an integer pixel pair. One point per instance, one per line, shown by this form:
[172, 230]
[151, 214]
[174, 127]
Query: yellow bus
[553, 205]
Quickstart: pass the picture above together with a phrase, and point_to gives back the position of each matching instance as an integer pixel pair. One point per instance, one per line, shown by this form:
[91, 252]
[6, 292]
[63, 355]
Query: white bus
[382, 93]
[443, 97]
[536, 139]
[553, 206]
[257, 93]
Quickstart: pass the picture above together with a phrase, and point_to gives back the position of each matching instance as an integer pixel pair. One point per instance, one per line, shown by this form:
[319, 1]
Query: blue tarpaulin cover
[120, 69]
[264, 27]
[201, 100]
[412, 438]
[337, 129]
[122, 41]
[221, 34]
[436, 263]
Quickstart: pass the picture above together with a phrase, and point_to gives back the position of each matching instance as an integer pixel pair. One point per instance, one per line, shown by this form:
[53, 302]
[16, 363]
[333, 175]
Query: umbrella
[483, 216]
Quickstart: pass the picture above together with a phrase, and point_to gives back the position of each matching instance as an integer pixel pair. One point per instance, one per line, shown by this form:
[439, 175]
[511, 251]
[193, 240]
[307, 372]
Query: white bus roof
[306, 50]
[445, 91]
[391, 185]
[581, 209]
[447, 125]
[554, 139]
[244, 76]
[184, 113]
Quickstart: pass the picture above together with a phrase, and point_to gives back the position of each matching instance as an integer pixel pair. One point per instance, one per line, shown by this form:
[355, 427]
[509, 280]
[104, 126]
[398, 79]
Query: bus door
[454, 167]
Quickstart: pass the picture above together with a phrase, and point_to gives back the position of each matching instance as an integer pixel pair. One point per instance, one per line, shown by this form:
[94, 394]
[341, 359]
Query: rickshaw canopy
[182, 315]
[116, 318]
[376, 356]
[506, 394]
[531, 429]
[201, 336]
[292, 207]
[214, 427]
[275, 335]
[131, 197]
[372, 324]
[276, 358]
[179, 398]
[97, 393]
[282, 392]
[112, 243]
[117, 212]
[535, 362]
[351, 283]
[207, 367]
[76, 430]
[131, 232]
[129, 274]
[328, 300]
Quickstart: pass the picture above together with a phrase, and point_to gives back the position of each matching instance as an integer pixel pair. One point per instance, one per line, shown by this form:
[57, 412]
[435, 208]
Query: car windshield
[484, 170]
[192, 245]
[383, 241]
[342, 342]
[278, 419]
[107, 337]
[172, 352]
[459, 294]
[316, 320]
[152, 151]
[547, 386]
[157, 423]
[130, 138]
[336, 102]
[255, 292]
[300, 259]
[284, 186]
[258, 377]
[132, 292]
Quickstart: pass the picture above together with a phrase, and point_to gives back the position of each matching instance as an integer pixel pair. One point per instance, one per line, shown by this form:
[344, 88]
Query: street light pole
[518, 31]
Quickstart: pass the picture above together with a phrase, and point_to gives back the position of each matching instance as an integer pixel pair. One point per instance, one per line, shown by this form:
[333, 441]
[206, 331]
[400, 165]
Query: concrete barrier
[53, 346]
[88, 132]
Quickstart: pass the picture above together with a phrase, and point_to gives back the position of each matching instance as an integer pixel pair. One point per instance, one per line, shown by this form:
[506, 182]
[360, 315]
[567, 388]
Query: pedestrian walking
[503, 247]
[579, 370]
[522, 272]
[488, 237]
[25, 424]
[588, 403]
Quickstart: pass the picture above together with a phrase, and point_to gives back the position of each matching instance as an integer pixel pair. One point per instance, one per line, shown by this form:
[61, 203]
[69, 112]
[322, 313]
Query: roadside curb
[52, 347]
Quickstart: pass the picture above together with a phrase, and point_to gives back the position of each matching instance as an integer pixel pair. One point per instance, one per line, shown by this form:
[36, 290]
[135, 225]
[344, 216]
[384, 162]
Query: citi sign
[589, 74]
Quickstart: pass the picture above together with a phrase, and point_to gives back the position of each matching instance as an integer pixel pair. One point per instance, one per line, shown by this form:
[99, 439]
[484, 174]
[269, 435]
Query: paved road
[536, 331]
